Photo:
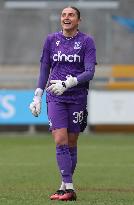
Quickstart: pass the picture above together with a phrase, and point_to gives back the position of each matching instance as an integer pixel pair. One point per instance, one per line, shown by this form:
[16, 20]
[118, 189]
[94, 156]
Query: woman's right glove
[35, 106]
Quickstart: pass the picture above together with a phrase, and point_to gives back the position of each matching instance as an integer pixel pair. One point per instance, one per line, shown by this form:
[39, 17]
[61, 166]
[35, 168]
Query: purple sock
[73, 153]
[64, 162]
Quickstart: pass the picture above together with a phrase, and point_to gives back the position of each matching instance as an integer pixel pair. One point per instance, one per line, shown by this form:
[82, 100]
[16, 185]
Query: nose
[66, 16]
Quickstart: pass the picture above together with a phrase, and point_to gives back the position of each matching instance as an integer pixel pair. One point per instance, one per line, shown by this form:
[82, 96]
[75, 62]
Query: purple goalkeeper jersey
[68, 56]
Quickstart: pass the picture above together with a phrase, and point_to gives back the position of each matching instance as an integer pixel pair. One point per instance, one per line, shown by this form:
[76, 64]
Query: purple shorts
[67, 115]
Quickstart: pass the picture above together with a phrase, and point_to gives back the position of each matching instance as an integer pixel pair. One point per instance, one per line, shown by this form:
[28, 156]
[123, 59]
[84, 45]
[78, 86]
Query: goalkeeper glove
[58, 87]
[35, 106]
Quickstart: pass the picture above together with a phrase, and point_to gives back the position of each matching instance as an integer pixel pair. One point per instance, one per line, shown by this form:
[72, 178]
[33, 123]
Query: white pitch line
[107, 147]
[105, 165]
[21, 164]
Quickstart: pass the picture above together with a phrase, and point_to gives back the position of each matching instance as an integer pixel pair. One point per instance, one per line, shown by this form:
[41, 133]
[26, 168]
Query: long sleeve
[44, 65]
[87, 75]
[43, 75]
[89, 62]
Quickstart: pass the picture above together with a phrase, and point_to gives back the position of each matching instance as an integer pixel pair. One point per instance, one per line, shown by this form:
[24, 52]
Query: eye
[71, 15]
[63, 15]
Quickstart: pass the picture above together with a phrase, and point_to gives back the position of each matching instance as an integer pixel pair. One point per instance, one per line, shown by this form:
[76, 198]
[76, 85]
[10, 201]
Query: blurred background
[23, 27]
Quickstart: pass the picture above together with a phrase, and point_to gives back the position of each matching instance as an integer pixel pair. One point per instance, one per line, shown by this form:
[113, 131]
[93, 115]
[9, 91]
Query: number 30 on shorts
[78, 117]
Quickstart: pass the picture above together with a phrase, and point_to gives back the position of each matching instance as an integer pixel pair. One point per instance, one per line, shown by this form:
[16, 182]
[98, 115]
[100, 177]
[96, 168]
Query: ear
[79, 21]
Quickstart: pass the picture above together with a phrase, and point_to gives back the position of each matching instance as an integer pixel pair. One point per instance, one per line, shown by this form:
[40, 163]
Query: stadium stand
[18, 76]
[122, 78]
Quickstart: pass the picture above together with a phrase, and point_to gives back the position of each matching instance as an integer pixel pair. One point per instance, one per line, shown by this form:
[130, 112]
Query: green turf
[104, 175]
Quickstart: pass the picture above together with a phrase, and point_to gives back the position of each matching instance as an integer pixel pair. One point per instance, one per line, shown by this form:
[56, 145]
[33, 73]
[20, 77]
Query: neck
[67, 33]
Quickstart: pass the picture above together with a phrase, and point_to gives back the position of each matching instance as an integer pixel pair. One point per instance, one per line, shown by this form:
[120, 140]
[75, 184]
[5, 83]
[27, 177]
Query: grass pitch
[104, 175]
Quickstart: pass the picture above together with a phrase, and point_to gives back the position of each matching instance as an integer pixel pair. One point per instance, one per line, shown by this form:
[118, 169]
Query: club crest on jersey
[77, 45]
[57, 43]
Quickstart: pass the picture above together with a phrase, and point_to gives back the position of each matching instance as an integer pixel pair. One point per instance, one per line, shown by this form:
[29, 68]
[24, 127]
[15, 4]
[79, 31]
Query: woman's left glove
[58, 87]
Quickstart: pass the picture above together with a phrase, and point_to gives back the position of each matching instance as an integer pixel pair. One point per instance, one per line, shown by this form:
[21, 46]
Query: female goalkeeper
[67, 65]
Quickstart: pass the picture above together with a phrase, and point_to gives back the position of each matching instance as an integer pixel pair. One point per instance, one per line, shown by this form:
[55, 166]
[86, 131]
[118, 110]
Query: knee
[60, 140]
[60, 137]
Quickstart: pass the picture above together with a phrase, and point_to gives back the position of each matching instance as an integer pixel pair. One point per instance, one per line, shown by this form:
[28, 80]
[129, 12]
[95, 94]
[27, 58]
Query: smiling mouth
[67, 22]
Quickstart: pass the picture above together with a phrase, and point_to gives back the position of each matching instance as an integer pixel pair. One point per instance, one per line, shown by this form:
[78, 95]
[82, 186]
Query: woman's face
[69, 19]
